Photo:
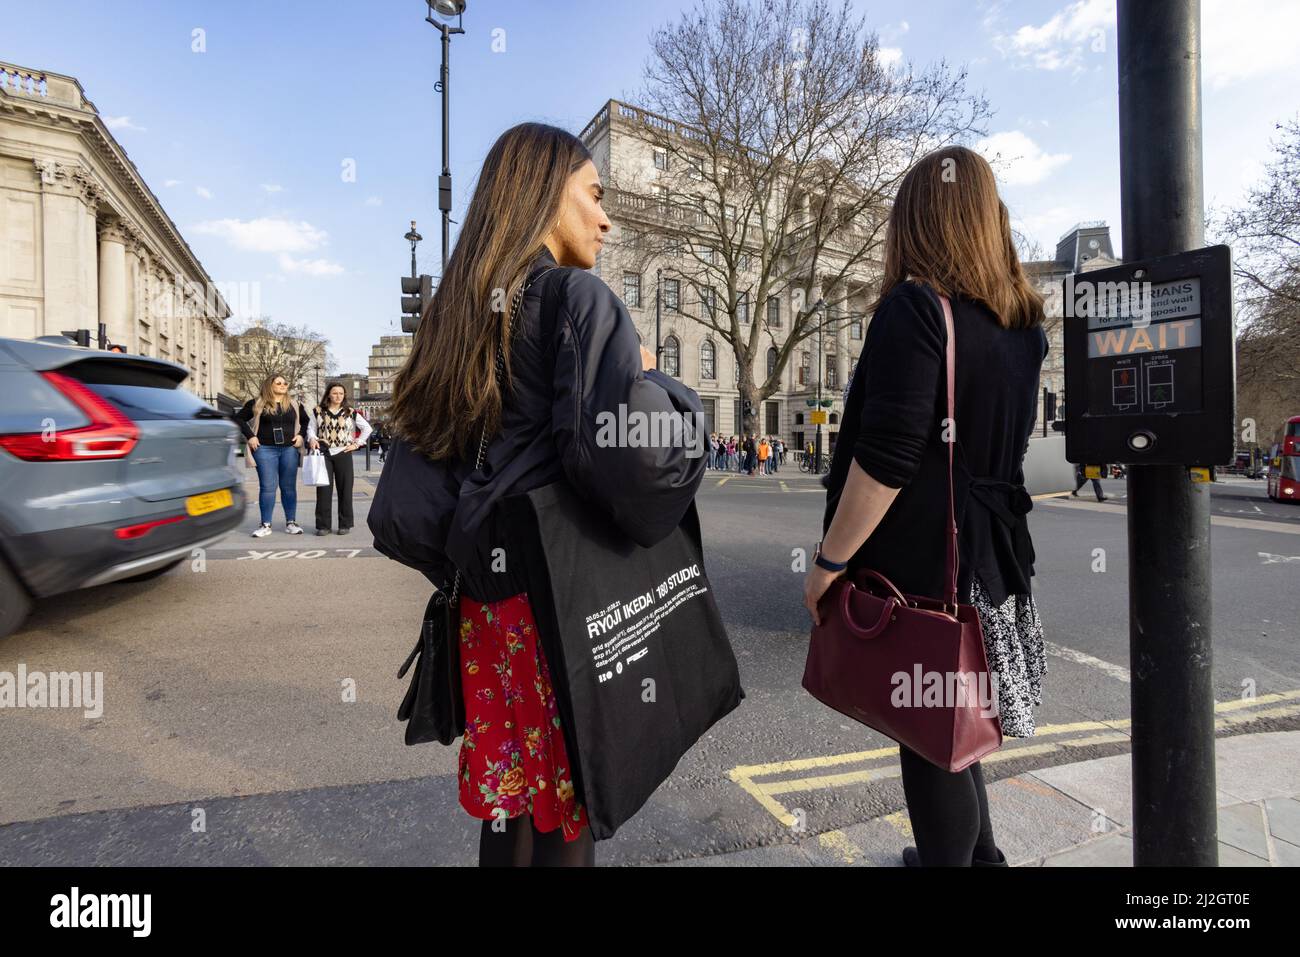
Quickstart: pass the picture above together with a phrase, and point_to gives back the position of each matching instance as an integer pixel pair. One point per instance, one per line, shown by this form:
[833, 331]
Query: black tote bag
[638, 654]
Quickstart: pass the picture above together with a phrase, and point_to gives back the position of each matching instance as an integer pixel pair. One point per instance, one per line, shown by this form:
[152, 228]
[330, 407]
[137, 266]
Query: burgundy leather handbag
[911, 667]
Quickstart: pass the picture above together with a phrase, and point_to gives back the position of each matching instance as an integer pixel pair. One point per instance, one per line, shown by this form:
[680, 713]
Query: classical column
[69, 201]
[112, 282]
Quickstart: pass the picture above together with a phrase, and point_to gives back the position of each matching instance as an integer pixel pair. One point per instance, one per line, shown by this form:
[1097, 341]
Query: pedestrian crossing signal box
[1150, 361]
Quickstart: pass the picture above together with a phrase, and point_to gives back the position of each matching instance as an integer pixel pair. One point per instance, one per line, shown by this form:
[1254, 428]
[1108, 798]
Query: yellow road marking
[723, 481]
[784, 487]
[766, 792]
[900, 822]
[839, 842]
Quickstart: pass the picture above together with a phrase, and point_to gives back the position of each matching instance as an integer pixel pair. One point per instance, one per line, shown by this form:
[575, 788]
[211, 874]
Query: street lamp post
[446, 9]
[413, 237]
[317, 368]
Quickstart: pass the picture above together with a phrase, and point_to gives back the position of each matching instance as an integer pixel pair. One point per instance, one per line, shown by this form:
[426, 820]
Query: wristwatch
[821, 561]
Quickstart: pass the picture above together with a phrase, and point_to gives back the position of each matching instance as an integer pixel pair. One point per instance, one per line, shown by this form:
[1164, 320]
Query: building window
[773, 417]
[632, 289]
[672, 352]
[672, 295]
[709, 299]
[710, 413]
[830, 372]
[742, 307]
[774, 312]
[731, 213]
[742, 262]
[708, 360]
[661, 159]
[771, 361]
[805, 367]
[855, 329]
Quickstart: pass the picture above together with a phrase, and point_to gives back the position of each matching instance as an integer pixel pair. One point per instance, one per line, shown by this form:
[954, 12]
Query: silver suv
[109, 471]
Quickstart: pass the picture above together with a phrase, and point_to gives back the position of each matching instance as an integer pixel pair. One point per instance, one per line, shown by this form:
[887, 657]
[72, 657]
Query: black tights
[520, 844]
[949, 812]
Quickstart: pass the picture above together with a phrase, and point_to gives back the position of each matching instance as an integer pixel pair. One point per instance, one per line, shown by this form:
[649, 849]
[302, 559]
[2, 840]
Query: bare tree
[265, 348]
[790, 130]
[1265, 236]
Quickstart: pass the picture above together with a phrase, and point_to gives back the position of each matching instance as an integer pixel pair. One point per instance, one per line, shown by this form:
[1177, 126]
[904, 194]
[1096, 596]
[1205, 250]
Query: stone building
[84, 242]
[1083, 248]
[387, 356]
[622, 138]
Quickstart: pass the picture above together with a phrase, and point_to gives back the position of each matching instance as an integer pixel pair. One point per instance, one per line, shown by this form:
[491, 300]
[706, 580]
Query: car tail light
[110, 434]
[144, 528]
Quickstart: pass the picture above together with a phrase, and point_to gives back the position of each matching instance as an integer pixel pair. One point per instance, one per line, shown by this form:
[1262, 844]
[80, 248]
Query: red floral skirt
[512, 758]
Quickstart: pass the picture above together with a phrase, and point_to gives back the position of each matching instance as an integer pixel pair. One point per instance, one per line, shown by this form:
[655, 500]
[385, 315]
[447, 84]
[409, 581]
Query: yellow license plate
[209, 502]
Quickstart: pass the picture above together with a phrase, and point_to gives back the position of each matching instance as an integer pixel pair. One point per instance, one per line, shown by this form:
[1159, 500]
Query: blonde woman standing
[276, 429]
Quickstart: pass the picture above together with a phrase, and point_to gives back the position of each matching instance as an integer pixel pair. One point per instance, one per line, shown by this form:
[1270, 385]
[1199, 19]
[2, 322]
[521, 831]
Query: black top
[893, 427]
[574, 359]
[270, 420]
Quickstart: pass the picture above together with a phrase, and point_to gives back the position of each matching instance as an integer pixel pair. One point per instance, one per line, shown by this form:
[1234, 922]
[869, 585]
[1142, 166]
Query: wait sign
[1149, 361]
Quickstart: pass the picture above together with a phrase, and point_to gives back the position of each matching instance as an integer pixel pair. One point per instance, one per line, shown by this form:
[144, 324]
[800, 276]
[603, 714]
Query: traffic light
[80, 336]
[749, 407]
[417, 293]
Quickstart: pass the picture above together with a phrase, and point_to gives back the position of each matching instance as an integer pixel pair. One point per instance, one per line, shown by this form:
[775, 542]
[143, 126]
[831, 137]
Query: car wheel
[155, 573]
[15, 603]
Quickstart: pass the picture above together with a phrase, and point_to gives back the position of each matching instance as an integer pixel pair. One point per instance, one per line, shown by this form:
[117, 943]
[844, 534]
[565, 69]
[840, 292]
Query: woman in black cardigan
[887, 490]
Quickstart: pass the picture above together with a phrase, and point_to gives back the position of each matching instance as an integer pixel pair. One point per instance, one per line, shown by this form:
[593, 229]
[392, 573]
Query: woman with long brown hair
[518, 353]
[887, 493]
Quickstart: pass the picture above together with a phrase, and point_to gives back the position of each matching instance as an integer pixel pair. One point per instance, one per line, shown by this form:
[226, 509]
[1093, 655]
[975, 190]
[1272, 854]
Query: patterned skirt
[512, 757]
[1013, 642]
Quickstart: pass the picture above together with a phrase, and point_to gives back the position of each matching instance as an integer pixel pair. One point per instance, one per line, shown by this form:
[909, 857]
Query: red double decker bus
[1284, 466]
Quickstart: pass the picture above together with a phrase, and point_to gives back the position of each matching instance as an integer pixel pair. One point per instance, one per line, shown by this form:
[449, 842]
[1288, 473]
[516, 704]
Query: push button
[1141, 441]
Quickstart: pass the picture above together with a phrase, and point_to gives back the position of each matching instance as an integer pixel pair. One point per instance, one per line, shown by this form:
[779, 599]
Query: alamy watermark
[53, 689]
[634, 428]
[945, 689]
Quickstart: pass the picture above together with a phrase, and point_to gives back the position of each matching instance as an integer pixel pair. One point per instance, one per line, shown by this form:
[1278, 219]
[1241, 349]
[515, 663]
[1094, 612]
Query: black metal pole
[1172, 699]
[817, 454]
[658, 337]
[444, 181]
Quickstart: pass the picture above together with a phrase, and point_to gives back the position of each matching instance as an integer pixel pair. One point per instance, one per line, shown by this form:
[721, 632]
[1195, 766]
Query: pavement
[1081, 815]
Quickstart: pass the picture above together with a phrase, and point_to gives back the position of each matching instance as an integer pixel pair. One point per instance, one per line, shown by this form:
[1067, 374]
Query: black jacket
[575, 356]
[893, 428]
[270, 420]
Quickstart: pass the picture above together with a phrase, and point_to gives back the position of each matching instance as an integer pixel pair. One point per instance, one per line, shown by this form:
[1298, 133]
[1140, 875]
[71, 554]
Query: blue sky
[246, 143]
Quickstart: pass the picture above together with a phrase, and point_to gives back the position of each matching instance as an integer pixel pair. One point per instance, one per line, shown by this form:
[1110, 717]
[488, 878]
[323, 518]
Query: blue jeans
[277, 464]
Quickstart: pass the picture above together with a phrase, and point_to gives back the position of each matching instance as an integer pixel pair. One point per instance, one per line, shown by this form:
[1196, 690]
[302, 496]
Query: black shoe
[344, 531]
[912, 859]
[322, 531]
[978, 861]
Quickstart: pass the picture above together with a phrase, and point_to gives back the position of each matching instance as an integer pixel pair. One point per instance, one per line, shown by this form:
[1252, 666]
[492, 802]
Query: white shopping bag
[314, 471]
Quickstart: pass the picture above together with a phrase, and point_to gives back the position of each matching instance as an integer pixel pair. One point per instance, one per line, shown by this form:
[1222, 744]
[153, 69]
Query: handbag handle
[889, 586]
[864, 631]
[500, 376]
